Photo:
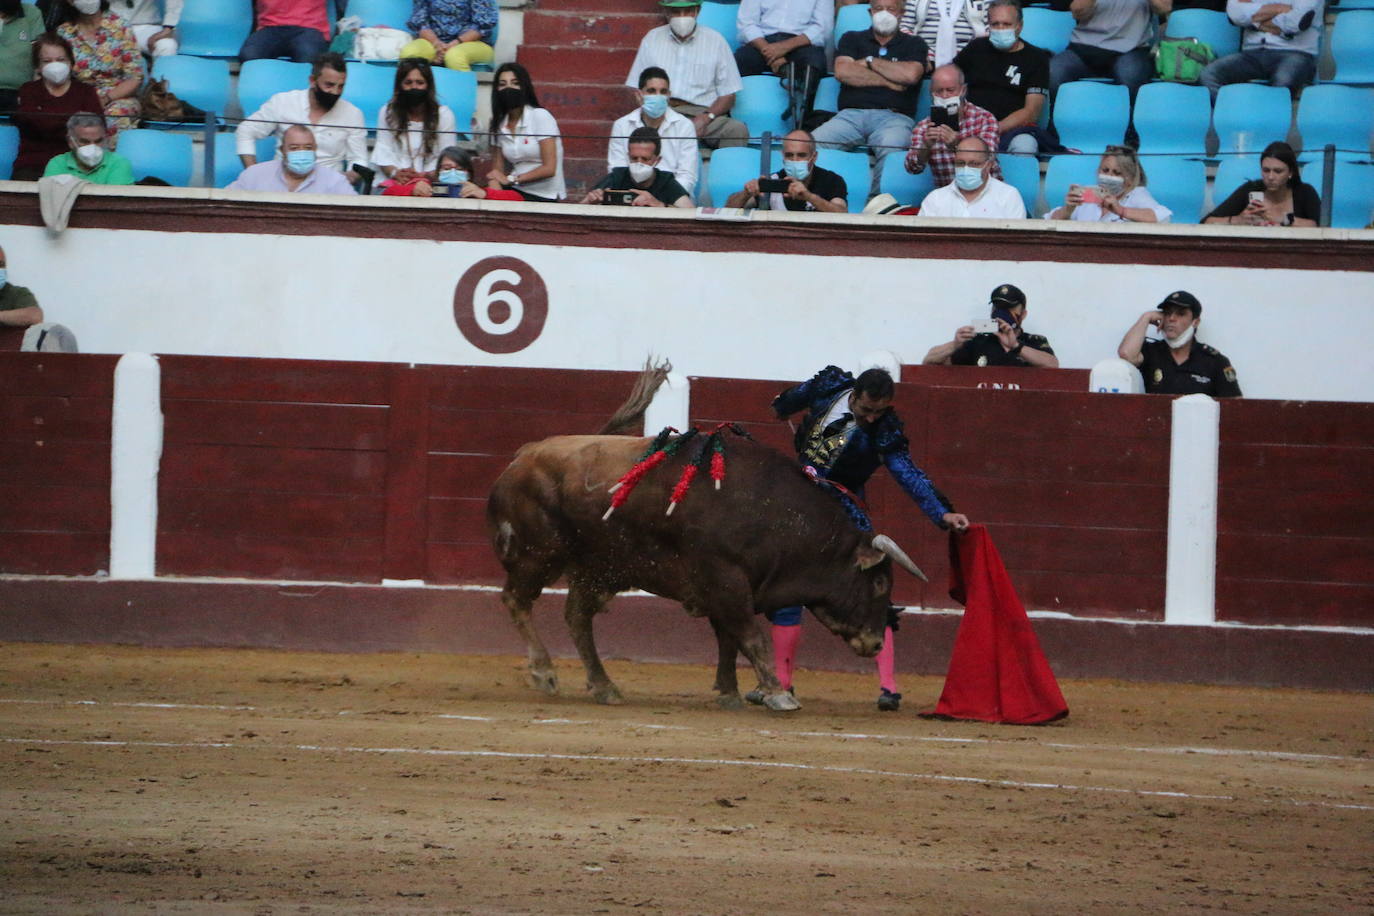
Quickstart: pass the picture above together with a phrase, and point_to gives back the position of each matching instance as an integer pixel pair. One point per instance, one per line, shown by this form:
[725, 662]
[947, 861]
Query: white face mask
[683, 26]
[641, 172]
[87, 7]
[56, 72]
[884, 23]
[90, 154]
[1182, 339]
[1112, 184]
[950, 104]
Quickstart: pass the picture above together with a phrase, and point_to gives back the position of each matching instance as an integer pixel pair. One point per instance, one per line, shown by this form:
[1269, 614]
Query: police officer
[1010, 346]
[1178, 364]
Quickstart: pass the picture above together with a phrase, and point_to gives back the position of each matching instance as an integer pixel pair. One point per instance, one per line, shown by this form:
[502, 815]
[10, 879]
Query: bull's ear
[867, 557]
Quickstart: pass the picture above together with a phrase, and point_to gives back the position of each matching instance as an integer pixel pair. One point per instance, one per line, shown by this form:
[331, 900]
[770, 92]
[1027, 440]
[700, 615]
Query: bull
[769, 538]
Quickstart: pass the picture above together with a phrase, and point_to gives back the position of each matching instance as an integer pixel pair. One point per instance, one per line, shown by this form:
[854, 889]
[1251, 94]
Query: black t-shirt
[1307, 204]
[664, 186]
[900, 47]
[1205, 371]
[986, 350]
[1000, 80]
[824, 184]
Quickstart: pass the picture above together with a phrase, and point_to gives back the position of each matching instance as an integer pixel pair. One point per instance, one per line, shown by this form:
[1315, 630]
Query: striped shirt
[973, 122]
[922, 19]
[700, 69]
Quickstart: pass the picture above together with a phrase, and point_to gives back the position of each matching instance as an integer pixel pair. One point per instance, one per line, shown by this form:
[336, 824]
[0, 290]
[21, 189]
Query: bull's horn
[888, 546]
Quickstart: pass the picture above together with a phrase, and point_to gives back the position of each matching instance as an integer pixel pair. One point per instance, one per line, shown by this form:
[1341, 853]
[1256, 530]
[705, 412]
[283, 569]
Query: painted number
[500, 305]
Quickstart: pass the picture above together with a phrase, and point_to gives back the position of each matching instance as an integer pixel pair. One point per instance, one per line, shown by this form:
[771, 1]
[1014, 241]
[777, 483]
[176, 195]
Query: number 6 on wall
[500, 305]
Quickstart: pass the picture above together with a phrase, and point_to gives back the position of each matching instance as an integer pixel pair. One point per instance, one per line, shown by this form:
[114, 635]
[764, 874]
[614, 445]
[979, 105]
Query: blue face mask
[968, 178]
[1002, 39]
[452, 176]
[655, 105]
[300, 161]
[797, 170]
[4, 277]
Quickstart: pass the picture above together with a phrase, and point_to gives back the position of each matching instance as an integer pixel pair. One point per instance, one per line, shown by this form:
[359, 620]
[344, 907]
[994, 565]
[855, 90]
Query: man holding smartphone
[952, 118]
[1178, 364]
[1008, 345]
[800, 184]
[641, 183]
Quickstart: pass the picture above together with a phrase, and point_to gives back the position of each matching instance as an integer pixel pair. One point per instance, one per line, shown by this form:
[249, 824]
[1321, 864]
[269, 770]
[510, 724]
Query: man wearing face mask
[1178, 363]
[676, 133]
[653, 186]
[809, 187]
[18, 307]
[1010, 78]
[298, 170]
[89, 160]
[974, 193]
[337, 124]
[933, 144]
[1010, 346]
[880, 73]
[701, 71]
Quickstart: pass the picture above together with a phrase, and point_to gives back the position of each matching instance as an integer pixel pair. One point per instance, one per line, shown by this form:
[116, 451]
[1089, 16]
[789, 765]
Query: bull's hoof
[607, 695]
[781, 702]
[544, 681]
[730, 701]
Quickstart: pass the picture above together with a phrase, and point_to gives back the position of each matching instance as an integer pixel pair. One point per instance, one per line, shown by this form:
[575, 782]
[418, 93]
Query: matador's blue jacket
[850, 460]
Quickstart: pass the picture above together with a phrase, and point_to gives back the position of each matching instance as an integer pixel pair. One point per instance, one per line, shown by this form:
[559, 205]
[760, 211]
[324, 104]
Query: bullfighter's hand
[956, 521]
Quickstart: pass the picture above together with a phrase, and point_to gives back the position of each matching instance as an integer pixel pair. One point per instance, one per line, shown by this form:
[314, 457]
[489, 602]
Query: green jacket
[16, 38]
[113, 169]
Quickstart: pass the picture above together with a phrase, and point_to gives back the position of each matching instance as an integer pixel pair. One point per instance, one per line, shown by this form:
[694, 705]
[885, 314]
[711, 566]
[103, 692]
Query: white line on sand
[125, 705]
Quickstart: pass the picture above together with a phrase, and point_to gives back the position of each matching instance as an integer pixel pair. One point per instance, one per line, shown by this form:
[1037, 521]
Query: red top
[42, 119]
[310, 14]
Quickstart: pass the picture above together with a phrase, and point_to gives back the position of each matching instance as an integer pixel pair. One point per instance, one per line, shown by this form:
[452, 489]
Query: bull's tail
[632, 411]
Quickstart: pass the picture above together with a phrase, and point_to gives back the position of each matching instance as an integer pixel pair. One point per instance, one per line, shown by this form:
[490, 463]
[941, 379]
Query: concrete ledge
[471, 620]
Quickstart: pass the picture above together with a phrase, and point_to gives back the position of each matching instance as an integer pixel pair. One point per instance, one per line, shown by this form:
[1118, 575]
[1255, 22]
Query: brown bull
[770, 538]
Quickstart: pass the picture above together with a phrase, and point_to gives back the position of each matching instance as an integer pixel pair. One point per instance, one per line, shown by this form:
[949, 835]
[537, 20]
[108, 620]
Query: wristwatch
[868, 61]
[710, 115]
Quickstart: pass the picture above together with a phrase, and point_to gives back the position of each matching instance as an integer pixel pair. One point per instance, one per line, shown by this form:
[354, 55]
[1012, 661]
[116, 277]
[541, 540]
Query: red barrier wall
[55, 456]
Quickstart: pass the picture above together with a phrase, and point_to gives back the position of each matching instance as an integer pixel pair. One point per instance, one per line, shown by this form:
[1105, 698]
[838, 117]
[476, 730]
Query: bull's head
[859, 611]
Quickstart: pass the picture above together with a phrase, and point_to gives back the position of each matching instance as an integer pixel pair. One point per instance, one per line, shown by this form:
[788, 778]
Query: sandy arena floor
[271, 782]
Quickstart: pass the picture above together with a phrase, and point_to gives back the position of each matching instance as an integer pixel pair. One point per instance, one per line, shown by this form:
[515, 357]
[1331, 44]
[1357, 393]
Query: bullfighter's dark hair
[876, 383]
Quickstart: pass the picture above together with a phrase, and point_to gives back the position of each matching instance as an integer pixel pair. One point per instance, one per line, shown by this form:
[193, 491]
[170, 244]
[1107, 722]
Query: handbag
[1181, 60]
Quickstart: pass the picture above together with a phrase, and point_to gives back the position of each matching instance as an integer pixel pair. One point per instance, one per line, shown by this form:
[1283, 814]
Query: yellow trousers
[459, 57]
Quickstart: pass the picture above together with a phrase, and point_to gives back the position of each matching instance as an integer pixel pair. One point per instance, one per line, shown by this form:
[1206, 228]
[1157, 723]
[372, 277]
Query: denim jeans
[1290, 69]
[884, 131]
[1131, 69]
[296, 42]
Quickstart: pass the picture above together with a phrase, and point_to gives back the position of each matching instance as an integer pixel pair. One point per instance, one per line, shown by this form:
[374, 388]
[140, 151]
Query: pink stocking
[785, 641]
[887, 663]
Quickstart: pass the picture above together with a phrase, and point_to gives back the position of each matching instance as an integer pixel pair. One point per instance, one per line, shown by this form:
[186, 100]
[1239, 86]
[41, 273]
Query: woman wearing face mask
[106, 56]
[20, 24]
[1279, 198]
[527, 151]
[45, 104]
[413, 128]
[453, 178]
[945, 25]
[1120, 194]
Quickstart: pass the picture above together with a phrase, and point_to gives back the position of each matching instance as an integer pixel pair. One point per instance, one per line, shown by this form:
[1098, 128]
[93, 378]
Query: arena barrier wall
[346, 476]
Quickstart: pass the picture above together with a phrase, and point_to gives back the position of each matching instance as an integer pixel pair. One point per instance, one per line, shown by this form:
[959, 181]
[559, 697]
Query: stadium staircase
[578, 53]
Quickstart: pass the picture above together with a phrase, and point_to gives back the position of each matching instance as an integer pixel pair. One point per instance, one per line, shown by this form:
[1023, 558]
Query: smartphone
[1256, 197]
[984, 325]
[1090, 196]
[619, 198]
[774, 185]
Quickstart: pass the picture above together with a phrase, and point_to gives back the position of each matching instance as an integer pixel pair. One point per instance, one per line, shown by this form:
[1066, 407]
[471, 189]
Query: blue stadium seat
[1066, 170]
[852, 18]
[761, 103]
[1345, 6]
[1352, 47]
[159, 153]
[1173, 117]
[1208, 26]
[853, 167]
[1179, 183]
[1048, 29]
[201, 82]
[9, 148]
[261, 79]
[1352, 194]
[1091, 115]
[227, 164]
[923, 101]
[458, 90]
[909, 189]
[369, 87]
[214, 28]
[390, 13]
[722, 17]
[731, 167]
[1023, 174]
[1248, 117]
[1340, 115]
[1232, 172]
[828, 95]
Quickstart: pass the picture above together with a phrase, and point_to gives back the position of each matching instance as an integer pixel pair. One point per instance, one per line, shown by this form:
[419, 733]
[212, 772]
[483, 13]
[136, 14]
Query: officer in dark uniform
[1010, 346]
[1177, 363]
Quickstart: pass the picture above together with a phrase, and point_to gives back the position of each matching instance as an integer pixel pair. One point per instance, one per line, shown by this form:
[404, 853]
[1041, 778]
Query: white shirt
[679, 147]
[407, 152]
[340, 136]
[997, 200]
[1139, 197]
[520, 149]
[812, 18]
[700, 69]
[1253, 39]
[147, 12]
